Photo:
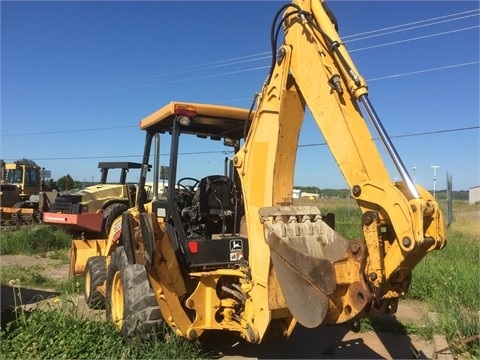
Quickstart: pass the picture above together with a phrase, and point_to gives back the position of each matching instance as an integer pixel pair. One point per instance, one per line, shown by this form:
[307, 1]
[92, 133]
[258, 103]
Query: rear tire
[95, 274]
[130, 303]
[19, 220]
[20, 204]
[111, 213]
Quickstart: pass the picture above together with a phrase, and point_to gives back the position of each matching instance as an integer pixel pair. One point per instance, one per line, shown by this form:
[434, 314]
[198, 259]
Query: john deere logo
[236, 245]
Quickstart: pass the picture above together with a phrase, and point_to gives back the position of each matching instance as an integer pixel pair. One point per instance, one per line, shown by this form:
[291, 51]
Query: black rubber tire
[133, 307]
[18, 220]
[95, 274]
[20, 204]
[111, 213]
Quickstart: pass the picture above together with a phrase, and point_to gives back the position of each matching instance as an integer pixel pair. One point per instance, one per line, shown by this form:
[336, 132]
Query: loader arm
[401, 221]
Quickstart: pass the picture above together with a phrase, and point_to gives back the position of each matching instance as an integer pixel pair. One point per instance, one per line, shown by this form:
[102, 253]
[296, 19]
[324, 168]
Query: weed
[34, 240]
[447, 281]
[30, 276]
[56, 330]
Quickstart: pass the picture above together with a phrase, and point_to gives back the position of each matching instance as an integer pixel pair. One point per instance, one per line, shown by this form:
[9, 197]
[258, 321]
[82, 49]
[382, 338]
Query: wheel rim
[88, 281]
[117, 300]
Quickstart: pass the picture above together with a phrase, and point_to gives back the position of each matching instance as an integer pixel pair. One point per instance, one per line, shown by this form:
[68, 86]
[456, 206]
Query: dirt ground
[325, 342]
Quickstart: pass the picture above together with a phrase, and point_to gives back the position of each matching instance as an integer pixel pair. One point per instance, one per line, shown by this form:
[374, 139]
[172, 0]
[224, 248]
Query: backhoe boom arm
[401, 223]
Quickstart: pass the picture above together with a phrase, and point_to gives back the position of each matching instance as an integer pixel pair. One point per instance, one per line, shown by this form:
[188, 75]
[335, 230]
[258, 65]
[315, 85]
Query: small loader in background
[93, 209]
[21, 196]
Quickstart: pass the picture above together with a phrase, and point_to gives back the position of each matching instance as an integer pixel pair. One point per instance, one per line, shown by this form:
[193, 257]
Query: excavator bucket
[81, 250]
[303, 249]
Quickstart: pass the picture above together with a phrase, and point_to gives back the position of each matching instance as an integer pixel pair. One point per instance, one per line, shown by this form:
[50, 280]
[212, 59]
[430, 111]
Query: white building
[474, 195]
[297, 193]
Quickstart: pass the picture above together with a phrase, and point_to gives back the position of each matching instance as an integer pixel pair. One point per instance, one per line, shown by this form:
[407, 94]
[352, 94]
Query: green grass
[41, 241]
[33, 240]
[32, 277]
[58, 331]
[447, 281]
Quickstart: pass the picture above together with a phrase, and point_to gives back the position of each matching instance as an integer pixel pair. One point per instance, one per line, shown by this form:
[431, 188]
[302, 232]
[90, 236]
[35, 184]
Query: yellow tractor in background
[21, 196]
[230, 251]
[93, 209]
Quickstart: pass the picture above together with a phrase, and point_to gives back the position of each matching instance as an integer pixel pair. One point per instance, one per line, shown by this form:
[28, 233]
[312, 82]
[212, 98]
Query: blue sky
[77, 77]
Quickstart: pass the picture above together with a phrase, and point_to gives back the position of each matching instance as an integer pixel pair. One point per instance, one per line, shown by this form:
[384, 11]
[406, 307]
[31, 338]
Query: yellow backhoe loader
[21, 196]
[230, 251]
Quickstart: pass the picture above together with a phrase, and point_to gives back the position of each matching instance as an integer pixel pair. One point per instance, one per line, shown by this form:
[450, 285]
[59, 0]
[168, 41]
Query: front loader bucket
[303, 249]
[81, 250]
[18, 216]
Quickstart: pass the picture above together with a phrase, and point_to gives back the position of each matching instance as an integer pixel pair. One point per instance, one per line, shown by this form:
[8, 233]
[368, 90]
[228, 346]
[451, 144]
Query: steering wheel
[189, 188]
[184, 193]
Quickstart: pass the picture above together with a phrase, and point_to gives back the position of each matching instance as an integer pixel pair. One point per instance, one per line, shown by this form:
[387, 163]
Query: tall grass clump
[34, 277]
[32, 240]
[57, 330]
[448, 280]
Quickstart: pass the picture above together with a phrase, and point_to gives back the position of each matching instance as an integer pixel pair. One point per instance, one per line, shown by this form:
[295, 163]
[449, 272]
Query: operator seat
[216, 203]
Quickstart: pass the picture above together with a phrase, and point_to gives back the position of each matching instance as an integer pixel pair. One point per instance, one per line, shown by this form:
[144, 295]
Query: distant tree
[65, 183]
[26, 162]
[335, 193]
[50, 185]
[309, 189]
[329, 193]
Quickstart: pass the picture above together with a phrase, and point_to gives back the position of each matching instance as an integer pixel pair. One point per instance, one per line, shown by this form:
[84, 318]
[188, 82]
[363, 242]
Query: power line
[261, 56]
[202, 77]
[412, 25]
[266, 55]
[424, 71]
[411, 135]
[70, 131]
[224, 152]
[236, 100]
[415, 38]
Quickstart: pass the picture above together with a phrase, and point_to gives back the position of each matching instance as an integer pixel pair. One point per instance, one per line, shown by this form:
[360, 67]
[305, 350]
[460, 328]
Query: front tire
[130, 303]
[95, 275]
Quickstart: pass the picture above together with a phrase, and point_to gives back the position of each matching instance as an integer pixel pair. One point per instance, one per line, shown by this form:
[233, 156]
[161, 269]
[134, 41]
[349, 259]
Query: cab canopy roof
[206, 120]
[15, 166]
[119, 165]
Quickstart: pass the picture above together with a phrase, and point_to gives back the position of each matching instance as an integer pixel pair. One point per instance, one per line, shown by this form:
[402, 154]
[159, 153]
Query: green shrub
[31, 240]
[33, 277]
[452, 271]
[58, 331]
[448, 281]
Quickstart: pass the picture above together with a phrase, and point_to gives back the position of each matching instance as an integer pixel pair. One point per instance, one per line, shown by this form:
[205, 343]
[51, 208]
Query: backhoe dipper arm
[401, 222]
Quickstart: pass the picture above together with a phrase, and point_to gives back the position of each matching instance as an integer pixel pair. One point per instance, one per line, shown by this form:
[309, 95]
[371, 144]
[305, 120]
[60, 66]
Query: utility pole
[434, 167]
[414, 168]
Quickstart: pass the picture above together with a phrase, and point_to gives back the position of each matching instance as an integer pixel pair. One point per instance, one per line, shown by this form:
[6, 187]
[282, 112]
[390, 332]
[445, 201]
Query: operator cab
[203, 214]
[211, 207]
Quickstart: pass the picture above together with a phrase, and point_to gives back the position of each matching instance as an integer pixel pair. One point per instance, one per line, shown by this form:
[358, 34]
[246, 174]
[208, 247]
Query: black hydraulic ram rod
[390, 148]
